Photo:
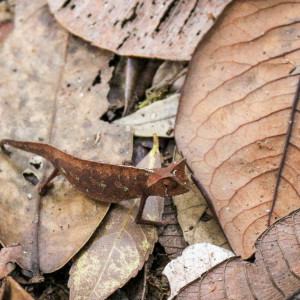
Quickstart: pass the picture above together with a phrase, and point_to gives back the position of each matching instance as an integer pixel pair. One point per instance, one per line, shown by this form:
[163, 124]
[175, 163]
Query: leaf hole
[66, 3]
[251, 259]
[36, 161]
[205, 217]
[30, 177]
[97, 79]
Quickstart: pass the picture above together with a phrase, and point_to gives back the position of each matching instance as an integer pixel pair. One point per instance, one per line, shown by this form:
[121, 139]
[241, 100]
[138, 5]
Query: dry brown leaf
[53, 89]
[273, 275]
[118, 250]
[234, 116]
[162, 29]
[171, 236]
[8, 255]
[11, 290]
[196, 219]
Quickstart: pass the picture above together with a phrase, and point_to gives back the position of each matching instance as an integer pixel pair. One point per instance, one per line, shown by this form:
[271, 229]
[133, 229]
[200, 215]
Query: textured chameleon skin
[108, 182]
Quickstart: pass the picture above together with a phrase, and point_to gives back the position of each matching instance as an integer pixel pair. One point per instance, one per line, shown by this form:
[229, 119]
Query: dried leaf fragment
[11, 290]
[194, 261]
[234, 116]
[158, 118]
[274, 274]
[8, 255]
[160, 29]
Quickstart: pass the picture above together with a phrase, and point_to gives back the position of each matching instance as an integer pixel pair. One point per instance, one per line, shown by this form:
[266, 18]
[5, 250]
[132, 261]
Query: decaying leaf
[158, 118]
[194, 261]
[168, 73]
[196, 219]
[11, 290]
[171, 236]
[53, 89]
[273, 275]
[235, 114]
[118, 250]
[8, 255]
[162, 29]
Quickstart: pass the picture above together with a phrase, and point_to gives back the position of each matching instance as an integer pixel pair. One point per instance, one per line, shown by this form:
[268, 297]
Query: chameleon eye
[168, 183]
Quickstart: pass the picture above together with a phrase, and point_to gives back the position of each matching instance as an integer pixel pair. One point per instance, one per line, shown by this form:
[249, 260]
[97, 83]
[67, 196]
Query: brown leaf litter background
[166, 29]
[50, 92]
[234, 115]
[273, 275]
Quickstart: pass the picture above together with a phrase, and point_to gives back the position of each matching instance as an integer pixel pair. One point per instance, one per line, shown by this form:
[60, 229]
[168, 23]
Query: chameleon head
[169, 181]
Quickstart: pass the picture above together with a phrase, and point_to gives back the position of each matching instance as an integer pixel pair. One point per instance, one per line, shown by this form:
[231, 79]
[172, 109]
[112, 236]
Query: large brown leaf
[49, 91]
[118, 249]
[235, 113]
[163, 29]
[274, 274]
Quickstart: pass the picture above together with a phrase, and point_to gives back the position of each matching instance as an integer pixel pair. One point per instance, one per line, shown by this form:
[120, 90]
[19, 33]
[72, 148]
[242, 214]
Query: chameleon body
[108, 182]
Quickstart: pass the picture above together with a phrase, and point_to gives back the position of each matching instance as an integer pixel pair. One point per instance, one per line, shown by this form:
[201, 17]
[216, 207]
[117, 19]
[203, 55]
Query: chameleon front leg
[139, 215]
[44, 186]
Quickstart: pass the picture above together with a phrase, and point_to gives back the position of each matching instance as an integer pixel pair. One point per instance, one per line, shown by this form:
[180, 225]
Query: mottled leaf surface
[48, 93]
[118, 249]
[273, 275]
[234, 116]
[162, 29]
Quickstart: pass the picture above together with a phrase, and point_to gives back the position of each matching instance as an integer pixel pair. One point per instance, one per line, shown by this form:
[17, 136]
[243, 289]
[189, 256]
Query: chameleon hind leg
[47, 184]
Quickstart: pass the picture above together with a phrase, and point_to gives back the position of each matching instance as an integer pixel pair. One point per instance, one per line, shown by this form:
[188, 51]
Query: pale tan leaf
[158, 117]
[194, 261]
[196, 219]
[234, 116]
[118, 250]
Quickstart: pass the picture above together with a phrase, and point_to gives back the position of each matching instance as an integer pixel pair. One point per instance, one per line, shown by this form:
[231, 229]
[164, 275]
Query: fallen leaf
[118, 249]
[274, 273]
[160, 29]
[8, 255]
[235, 113]
[194, 261]
[196, 219]
[171, 236]
[53, 89]
[158, 117]
[168, 74]
[11, 290]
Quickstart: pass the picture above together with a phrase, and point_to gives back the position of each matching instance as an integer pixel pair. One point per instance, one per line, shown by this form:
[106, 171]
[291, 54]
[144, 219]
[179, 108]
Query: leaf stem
[287, 141]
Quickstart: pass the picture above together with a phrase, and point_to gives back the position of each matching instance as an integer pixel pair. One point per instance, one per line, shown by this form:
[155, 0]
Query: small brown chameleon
[108, 182]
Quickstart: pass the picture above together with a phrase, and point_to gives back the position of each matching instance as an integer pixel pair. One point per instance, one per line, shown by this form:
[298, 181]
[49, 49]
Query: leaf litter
[273, 273]
[234, 118]
[47, 74]
[119, 248]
